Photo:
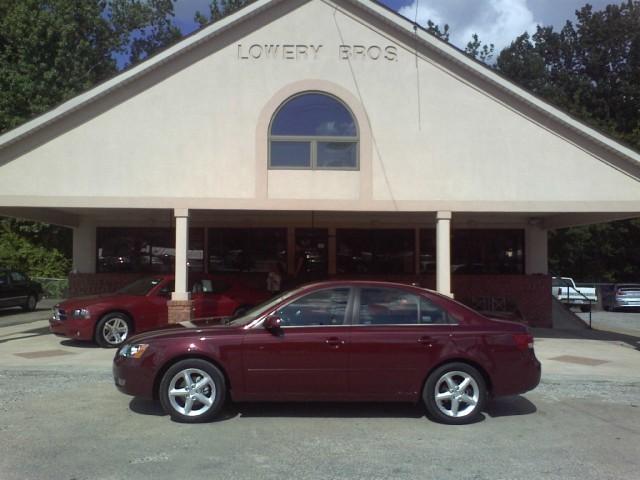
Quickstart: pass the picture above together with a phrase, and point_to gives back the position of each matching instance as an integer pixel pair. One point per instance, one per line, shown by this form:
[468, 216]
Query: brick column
[180, 310]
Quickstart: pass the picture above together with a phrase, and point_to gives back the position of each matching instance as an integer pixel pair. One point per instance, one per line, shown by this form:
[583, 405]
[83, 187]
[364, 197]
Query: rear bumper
[520, 377]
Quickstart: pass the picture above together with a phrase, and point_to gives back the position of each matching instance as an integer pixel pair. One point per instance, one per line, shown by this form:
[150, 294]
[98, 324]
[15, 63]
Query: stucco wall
[194, 131]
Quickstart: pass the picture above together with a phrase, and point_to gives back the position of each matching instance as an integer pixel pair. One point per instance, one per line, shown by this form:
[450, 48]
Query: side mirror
[272, 323]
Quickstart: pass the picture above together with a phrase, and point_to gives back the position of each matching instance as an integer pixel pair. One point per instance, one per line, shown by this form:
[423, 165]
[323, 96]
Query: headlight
[133, 351]
[81, 313]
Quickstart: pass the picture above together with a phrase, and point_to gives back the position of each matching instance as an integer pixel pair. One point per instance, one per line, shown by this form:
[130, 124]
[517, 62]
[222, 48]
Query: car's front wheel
[112, 330]
[455, 393]
[192, 391]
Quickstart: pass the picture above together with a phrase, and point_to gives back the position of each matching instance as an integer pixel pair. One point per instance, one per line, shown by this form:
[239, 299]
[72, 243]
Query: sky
[495, 21]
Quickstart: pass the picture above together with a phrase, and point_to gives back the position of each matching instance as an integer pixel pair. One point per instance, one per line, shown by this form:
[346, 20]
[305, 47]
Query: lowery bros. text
[258, 51]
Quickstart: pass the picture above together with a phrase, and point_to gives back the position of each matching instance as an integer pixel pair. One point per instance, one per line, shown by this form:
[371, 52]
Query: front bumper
[79, 329]
[133, 377]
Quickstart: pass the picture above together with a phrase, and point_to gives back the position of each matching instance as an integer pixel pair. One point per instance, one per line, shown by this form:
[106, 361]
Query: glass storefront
[145, 249]
[358, 251]
[375, 251]
[477, 251]
[247, 249]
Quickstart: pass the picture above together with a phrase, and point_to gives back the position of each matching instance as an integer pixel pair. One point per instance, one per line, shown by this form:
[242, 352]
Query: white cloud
[495, 21]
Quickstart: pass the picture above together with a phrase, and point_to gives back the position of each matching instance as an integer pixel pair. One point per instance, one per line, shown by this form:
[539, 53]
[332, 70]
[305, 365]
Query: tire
[30, 303]
[113, 329]
[199, 403]
[443, 383]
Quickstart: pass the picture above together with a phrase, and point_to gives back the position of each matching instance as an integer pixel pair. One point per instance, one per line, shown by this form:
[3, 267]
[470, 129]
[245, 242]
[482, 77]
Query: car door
[211, 299]
[6, 295]
[19, 288]
[397, 336]
[307, 357]
[151, 310]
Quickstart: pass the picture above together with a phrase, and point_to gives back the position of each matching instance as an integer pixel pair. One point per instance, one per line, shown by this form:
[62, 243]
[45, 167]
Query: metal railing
[569, 288]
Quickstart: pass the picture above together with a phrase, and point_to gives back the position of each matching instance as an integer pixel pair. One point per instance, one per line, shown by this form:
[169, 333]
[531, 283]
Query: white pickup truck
[565, 290]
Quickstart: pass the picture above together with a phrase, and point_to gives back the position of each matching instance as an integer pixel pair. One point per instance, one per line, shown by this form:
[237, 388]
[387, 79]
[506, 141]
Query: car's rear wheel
[30, 303]
[455, 393]
[112, 330]
[192, 391]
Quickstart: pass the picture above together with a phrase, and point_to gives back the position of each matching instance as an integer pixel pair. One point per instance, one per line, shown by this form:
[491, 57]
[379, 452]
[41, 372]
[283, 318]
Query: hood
[185, 329]
[88, 300]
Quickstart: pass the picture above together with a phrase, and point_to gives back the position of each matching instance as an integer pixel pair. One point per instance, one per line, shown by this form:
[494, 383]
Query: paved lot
[61, 418]
[622, 322]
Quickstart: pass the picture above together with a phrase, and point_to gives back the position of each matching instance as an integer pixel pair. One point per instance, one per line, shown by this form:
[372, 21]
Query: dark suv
[18, 290]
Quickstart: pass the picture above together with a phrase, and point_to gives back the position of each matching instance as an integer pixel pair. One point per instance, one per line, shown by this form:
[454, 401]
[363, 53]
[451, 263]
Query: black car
[18, 290]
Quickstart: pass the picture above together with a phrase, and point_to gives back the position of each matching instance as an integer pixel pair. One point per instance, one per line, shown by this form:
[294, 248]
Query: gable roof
[382, 13]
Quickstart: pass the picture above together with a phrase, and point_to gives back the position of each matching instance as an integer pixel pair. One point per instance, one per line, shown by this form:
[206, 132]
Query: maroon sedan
[141, 306]
[335, 341]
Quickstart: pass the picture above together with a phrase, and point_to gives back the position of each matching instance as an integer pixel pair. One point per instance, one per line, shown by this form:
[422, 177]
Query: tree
[590, 69]
[28, 247]
[219, 9]
[51, 50]
[476, 49]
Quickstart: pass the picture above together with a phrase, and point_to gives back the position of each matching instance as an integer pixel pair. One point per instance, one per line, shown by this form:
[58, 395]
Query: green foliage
[19, 252]
[478, 50]
[590, 69]
[219, 9]
[607, 252]
[51, 50]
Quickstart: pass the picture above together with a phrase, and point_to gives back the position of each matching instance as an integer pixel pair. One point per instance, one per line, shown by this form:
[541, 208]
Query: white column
[535, 250]
[443, 253]
[84, 249]
[182, 244]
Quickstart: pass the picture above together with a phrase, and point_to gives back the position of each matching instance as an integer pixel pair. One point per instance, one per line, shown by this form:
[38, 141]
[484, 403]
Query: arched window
[313, 131]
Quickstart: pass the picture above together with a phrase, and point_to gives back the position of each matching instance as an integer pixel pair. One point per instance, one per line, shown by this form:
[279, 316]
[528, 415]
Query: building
[324, 138]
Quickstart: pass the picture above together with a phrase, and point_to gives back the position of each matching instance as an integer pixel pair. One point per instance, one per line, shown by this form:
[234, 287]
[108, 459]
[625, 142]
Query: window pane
[247, 250]
[327, 307]
[431, 313]
[290, 154]
[380, 251]
[311, 253]
[337, 155]
[314, 114]
[145, 249]
[384, 306]
[477, 251]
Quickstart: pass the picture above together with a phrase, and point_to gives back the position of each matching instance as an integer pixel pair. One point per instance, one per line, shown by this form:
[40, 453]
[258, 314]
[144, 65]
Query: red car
[335, 341]
[141, 306]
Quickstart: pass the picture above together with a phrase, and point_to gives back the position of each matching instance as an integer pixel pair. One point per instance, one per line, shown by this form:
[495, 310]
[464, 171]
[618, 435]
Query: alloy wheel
[115, 331]
[191, 392]
[456, 394]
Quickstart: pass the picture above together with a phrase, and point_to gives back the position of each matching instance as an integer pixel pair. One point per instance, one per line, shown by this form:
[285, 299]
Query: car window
[325, 307]
[17, 277]
[3, 279]
[207, 285]
[386, 306]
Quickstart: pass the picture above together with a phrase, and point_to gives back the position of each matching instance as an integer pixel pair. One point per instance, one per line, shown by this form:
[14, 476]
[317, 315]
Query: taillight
[524, 341]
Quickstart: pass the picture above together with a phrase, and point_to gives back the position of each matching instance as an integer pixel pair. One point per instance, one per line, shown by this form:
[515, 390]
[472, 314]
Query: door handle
[334, 342]
[426, 341]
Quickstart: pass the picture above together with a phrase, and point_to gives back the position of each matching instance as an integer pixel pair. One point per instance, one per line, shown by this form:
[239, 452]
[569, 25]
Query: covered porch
[494, 262]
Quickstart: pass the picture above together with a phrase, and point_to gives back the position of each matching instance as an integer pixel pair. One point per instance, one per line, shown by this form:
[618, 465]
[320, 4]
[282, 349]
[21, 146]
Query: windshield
[258, 310]
[140, 287]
